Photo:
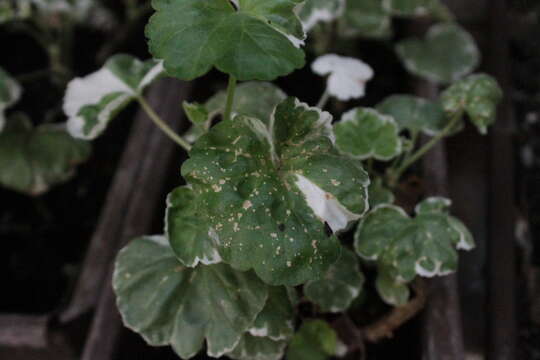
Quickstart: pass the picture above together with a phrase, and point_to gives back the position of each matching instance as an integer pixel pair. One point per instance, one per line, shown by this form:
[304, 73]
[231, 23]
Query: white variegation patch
[13, 92]
[347, 76]
[325, 205]
[92, 89]
[323, 13]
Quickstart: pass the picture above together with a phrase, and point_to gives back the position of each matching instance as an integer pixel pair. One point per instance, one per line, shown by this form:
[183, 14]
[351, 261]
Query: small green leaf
[93, 101]
[276, 320]
[366, 18]
[392, 291]
[446, 54]
[196, 113]
[169, 304]
[316, 11]
[10, 93]
[405, 247]
[263, 193]
[253, 42]
[415, 114]
[478, 96]
[258, 348]
[379, 194]
[315, 340]
[34, 159]
[336, 291]
[200, 119]
[364, 133]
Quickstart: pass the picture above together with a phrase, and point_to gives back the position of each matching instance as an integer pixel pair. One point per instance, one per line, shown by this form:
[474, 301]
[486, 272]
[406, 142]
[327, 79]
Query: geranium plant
[286, 206]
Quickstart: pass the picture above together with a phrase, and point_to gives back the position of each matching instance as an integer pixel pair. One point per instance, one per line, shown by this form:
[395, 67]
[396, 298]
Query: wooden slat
[140, 212]
[502, 328]
[23, 330]
[105, 240]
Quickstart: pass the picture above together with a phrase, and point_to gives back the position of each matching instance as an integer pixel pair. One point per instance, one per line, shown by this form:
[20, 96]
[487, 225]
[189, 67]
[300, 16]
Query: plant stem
[230, 98]
[396, 175]
[162, 125]
[324, 99]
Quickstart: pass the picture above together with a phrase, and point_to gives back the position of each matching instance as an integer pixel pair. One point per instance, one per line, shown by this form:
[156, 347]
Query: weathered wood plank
[23, 330]
[443, 330]
[502, 327]
[142, 206]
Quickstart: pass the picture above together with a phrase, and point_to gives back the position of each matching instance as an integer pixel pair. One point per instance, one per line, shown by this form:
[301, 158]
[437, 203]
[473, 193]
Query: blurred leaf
[342, 283]
[316, 11]
[415, 114]
[366, 18]
[34, 159]
[315, 340]
[405, 247]
[477, 95]
[447, 53]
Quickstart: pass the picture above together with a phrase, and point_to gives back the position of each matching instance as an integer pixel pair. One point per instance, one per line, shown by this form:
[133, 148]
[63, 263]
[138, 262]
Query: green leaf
[250, 43]
[93, 101]
[196, 113]
[258, 348]
[264, 193]
[410, 7]
[15, 10]
[336, 291]
[477, 95]
[169, 304]
[447, 53]
[276, 320]
[366, 18]
[10, 93]
[392, 291]
[316, 11]
[315, 340]
[364, 133]
[404, 247]
[34, 159]
[415, 114]
[379, 194]
[200, 119]
[193, 242]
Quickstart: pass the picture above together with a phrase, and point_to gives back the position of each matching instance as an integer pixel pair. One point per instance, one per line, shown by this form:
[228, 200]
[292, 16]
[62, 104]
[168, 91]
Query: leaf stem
[230, 98]
[396, 175]
[324, 99]
[162, 125]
